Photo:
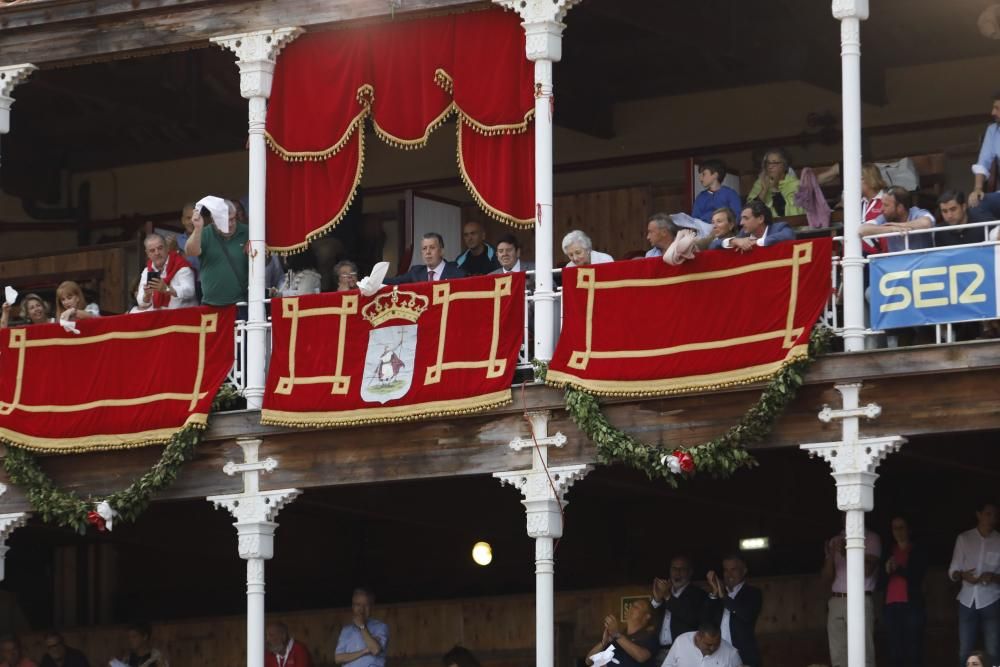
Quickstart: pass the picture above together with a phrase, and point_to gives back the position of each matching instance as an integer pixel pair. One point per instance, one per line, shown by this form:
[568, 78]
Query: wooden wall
[500, 630]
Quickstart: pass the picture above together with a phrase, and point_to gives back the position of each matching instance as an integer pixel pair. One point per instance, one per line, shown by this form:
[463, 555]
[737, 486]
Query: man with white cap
[221, 248]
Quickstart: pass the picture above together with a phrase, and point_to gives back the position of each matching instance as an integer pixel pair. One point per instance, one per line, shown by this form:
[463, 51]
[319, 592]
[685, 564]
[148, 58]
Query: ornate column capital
[544, 495]
[850, 9]
[256, 53]
[543, 25]
[10, 76]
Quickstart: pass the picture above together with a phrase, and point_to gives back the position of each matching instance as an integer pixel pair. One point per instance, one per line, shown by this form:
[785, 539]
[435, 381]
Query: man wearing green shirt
[221, 248]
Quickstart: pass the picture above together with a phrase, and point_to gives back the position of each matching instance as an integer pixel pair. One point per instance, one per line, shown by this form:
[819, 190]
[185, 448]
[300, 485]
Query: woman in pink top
[903, 566]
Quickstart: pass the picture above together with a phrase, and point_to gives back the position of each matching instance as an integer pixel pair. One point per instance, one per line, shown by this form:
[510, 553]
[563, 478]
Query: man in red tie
[435, 267]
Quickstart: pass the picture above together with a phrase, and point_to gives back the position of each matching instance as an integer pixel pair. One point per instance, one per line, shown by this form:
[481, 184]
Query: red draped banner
[724, 318]
[122, 381]
[418, 350]
[409, 77]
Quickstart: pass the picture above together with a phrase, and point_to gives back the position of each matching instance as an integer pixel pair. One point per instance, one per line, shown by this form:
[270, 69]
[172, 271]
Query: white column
[544, 488]
[854, 460]
[8, 522]
[10, 76]
[543, 26]
[851, 13]
[254, 511]
[256, 53]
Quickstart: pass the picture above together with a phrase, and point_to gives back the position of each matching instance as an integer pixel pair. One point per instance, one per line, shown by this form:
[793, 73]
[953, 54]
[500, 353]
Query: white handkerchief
[69, 326]
[604, 657]
[373, 283]
[10, 294]
[115, 662]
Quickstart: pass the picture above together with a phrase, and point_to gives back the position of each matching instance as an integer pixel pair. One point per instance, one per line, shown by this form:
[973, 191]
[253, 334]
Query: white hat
[218, 208]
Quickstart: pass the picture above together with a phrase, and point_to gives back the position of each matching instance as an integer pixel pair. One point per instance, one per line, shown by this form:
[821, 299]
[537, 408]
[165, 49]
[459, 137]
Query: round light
[482, 553]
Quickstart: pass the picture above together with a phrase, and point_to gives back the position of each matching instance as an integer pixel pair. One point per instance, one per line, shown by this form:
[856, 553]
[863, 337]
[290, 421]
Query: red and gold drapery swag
[123, 381]
[418, 350]
[409, 77]
[722, 319]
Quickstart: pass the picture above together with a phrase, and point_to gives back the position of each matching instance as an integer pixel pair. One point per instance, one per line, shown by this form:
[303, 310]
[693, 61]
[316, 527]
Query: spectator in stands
[220, 242]
[35, 310]
[181, 239]
[635, 644]
[13, 656]
[509, 256]
[735, 605]
[989, 152]
[479, 257]
[978, 659]
[901, 577]
[660, 233]
[282, 649]
[723, 227]
[872, 191]
[900, 215]
[141, 653]
[580, 251]
[57, 654]
[72, 305]
[347, 275]
[704, 647]
[435, 267]
[758, 229]
[835, 571]
[678, 602]
[363, 641]
[955, 211]
[301, 277]
[976, 563]
[776, 186]
[712, 173]
[168, 279]
[274, 273]
[459, 656]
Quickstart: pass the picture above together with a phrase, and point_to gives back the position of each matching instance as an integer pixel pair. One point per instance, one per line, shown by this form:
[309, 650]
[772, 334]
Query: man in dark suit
[509, 256]
[434, 267]
[735, 606]
[680, 605]
[758, 228]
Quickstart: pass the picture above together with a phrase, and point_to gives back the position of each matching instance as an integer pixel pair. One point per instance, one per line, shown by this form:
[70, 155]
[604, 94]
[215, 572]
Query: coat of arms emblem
[389, 360]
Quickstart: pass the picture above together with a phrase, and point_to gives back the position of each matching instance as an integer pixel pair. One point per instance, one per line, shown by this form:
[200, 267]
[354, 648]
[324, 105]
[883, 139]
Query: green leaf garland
[65, 508]
[719, 457]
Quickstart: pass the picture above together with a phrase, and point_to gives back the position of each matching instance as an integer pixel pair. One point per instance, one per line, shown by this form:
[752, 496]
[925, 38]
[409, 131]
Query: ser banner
[417, 350]
[123, 381]
[934, 287]
[721, 319]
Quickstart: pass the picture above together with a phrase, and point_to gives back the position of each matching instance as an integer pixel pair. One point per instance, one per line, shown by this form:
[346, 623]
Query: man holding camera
[168, 279]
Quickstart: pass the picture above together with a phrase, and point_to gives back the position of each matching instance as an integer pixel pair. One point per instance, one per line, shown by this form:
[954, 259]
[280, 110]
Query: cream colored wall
[926, 92]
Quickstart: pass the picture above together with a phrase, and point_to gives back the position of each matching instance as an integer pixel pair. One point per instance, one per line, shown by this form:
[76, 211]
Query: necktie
[430, 274]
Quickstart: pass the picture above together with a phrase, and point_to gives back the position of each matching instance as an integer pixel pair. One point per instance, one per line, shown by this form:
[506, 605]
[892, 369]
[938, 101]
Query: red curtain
[410, 77]
[721, 319]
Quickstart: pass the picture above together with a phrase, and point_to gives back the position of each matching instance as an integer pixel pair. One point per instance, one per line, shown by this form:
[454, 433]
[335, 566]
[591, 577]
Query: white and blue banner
[934, 287]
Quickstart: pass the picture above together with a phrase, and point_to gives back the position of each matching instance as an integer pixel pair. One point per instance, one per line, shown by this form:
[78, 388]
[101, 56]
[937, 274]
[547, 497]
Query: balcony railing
[831, 316]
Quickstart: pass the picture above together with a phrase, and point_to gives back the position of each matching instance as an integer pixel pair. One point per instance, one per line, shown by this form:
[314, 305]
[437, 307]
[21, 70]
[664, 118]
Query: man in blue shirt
[900, 215]
[988, 152]
[363, 641]
[711, 173]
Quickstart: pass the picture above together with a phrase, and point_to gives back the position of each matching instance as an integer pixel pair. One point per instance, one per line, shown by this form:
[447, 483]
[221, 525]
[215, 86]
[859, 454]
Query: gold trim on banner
[94, 443]
[340, 383]
[443, 296]
[364, 96]
[19, 340]
[690, 383]
[420, 142]
[586, 279]
[397, 413]
[491, 211]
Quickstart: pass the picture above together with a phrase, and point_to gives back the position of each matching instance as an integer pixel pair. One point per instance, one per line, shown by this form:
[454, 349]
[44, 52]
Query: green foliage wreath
[719, 457]
[65, 508]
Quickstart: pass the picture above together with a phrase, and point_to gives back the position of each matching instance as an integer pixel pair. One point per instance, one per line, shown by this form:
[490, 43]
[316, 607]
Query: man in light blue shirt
[363, 641]
[900, 215]
[989, 151]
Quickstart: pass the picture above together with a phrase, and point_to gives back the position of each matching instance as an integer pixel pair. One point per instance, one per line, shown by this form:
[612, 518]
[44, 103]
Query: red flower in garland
[97, 521]
[684, 461]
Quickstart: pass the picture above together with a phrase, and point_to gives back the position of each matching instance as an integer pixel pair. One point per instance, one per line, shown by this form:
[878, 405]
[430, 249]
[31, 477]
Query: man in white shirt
[168, 279]
[976, 563]
[703, 648]
[835, 570]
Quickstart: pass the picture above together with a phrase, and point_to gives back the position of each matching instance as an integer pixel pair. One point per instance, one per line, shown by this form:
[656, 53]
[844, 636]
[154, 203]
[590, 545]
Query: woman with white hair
[580, 251]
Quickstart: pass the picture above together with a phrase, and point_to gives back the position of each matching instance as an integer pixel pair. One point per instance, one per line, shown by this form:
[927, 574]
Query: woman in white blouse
[580, 251]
